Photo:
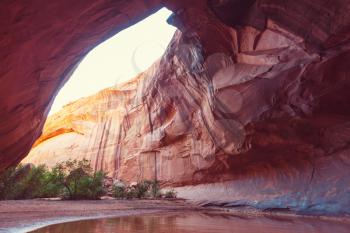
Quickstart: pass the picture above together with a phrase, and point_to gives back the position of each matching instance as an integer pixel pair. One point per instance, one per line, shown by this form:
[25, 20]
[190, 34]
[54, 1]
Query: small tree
[32, 184]
[7, 179]
[26, 182]
[78, 179]
[73, 179]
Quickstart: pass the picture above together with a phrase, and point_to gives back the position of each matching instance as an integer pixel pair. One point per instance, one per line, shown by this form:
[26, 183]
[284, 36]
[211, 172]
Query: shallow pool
[199, 223]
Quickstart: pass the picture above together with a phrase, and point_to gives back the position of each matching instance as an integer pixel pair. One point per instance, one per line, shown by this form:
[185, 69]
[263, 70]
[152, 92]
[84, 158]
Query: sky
[118, 59]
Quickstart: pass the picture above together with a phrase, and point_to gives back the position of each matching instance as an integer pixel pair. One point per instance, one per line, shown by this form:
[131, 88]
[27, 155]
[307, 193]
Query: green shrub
[131, 193]
[24, 182]
[91, 186]
[155, 189]
[170, 194]
[119, 192]
[53, 187]
[32, 184]
[142, 188]
[79, 181]
[72, 179]
[7, 179]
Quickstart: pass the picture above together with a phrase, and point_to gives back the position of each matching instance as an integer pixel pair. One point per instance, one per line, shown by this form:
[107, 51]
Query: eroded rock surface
[40, 45]
[243, 109]
[88, 128]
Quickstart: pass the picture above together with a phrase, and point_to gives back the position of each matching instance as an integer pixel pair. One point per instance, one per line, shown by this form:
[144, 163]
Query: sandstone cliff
[88, 128]
[249, 106]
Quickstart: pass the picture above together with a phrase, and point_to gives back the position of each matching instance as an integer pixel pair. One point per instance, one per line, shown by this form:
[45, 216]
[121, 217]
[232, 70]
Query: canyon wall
[88, 128]
[248, 106]
[41, 44]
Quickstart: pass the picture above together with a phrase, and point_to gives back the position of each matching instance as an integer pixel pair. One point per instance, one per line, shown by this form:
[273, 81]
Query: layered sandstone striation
[89, 128]
[248, 106]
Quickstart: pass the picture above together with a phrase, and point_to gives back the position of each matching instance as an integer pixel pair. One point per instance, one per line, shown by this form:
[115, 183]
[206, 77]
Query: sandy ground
[25, 215]
[21, 216]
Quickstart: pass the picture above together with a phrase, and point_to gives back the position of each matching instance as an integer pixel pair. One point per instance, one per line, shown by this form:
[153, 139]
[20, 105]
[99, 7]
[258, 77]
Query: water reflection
[198, 223]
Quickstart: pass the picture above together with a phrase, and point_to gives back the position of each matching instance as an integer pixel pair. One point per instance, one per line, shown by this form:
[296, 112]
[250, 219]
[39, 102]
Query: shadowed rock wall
[41, 43]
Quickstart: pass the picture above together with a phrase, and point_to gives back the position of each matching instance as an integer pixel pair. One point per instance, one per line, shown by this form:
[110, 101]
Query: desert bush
[155, 189]
[79, 181]
[72, 179]
[27, 182]
[91, 187]
[170, 194]
[53, 187]
[7, 179]
[142, 189]
[131, 193]
[32, 184]
[139, 190]
[119, 192]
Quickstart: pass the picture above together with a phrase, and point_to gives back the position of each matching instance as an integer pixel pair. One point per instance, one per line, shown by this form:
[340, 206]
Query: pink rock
[243, 109]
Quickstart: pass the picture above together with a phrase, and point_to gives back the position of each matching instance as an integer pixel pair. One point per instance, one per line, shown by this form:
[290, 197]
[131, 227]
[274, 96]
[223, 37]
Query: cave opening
[118, 59]
[242, 124]
[104, 69]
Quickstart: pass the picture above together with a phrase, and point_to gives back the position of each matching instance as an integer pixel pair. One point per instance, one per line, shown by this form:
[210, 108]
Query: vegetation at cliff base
[78, 180]
[170, 194]
[142, 189]
[72, 179]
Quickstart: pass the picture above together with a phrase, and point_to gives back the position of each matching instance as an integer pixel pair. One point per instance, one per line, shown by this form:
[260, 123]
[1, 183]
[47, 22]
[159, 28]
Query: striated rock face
[249, 106]
[88, 128]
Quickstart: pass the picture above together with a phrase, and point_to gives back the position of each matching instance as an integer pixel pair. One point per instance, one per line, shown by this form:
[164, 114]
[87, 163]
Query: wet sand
[26, 215]
[30, 214]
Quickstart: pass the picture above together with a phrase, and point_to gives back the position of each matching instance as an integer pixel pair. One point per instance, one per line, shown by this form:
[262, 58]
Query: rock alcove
[249, 105]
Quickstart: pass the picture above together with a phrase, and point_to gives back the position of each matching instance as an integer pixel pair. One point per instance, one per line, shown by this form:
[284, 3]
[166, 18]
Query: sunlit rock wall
[89, 128]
